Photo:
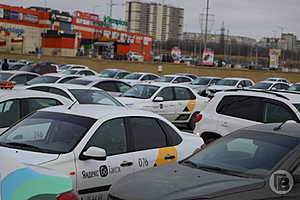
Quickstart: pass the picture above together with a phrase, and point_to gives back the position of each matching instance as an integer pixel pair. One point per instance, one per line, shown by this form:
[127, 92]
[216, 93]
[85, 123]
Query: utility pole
[206, 25]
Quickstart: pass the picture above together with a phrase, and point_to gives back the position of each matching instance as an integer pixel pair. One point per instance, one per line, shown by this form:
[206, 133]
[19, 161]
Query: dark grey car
[238, 166]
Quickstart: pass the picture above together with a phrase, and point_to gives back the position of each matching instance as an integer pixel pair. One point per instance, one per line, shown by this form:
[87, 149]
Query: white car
[139, 77]
[78, 93]
[97, 145]
[84, 72]
[270, 85]
[174, 79]
[113, 73]
[276, 79]
[177, 103]
[52, 78]
[134, 56]
[227, 84]
[18, 103]
[201, 84]
[233, 110]
[19, 77]
[65, 67]
[112, 86]
[23, 181]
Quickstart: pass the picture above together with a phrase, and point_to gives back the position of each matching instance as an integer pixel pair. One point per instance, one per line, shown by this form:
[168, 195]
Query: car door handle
[126, 164]
[171, 157]
[225, 124]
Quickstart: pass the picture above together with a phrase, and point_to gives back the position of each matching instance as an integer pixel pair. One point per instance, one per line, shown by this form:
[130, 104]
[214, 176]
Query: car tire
[192, 123]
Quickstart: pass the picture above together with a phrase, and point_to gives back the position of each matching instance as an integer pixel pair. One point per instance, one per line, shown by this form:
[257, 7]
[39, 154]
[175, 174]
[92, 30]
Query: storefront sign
[109, 20]
[30, 18]
[86, 16]
[61, 18]
[1, 13]
[14, 15]
[12, 30]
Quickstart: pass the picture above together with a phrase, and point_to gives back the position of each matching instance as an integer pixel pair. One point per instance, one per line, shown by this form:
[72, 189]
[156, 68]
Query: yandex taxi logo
[7, 84]
[166, 155]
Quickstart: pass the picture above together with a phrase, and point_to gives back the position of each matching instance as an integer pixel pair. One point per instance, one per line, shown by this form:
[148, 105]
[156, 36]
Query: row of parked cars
[99, 132]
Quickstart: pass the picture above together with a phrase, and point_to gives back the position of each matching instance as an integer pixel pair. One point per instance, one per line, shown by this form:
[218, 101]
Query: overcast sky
[253, 18]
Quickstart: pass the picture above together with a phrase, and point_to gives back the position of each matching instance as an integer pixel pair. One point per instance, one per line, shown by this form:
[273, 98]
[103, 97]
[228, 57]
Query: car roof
[60, 75]
[94, 78]
[119, 70]
[210, 77]
[175, 76]
[162, 84]
[21, 93]
[270, 82]
[99, 111]
[18, 72]
[236, 78]
[63, 86]
[289, 129]
[292, 97]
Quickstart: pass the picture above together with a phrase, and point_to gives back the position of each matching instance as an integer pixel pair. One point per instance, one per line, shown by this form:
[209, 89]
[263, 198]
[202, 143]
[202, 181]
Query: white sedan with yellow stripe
[96, 145]
[177, 103]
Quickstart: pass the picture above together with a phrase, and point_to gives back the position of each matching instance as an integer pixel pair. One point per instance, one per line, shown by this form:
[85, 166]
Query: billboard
[30, 18]
[176, 53]
[274, 58]
[86, 16]
[208, 57]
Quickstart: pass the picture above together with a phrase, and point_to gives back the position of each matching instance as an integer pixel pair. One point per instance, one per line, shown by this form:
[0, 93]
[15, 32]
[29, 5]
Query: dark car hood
[176, 181]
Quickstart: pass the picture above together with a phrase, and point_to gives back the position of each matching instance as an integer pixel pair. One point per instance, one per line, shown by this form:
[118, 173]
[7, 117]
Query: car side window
[111, 136]
[9, 112]
[30, 77]
[87, 73]
[284, 86]
[276, 113]
[121, 75]
[67, 79]
[244, 107]
[107, 86]
[146, 133]
[20, 79]
[248, 83]
[214, 81]
[152, 77]
[33, 104]
[167, 93]
[173, 138]
[182, 94]
[145, 78]
[122, 87]
[277, 86]
[184, 80]
[40, 88]
[59, 92]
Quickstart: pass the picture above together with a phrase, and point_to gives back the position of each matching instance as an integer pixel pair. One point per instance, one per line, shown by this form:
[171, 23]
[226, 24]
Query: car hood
[131, 101]
[30, 157]
[221, 87]
[176, 181]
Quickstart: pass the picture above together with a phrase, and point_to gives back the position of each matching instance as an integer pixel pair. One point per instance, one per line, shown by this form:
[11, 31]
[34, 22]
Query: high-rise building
[164, 22]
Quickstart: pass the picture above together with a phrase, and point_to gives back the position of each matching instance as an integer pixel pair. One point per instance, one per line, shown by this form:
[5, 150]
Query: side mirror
[240, 86]
[273, 88]
[175, 82]
[158, 99]
[93, 153]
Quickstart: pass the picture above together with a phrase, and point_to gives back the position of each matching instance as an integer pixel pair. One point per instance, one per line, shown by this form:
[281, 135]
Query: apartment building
[163, 22]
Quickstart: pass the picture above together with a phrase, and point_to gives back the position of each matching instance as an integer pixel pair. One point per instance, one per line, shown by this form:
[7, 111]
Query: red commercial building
[62, 34]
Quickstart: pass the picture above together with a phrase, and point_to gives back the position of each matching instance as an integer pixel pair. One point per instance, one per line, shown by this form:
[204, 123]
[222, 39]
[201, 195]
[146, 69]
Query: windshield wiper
[23, 145]
[190, 163]
[222, 170]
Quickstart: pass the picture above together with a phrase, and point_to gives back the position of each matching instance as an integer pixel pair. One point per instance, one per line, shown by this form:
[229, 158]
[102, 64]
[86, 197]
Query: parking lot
[206, 133]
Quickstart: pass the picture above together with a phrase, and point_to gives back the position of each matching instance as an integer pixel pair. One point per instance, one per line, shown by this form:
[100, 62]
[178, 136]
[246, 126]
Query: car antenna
[70, 107]
[281, 125]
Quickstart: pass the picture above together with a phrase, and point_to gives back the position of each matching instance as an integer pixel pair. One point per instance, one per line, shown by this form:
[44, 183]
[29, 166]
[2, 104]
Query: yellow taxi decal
[191, 105]
[166, 155]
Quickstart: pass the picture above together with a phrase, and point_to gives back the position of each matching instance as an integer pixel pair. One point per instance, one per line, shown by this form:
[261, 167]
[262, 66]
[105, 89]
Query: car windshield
[65, 67]
[133, 76]
[42, 79]
[295, 87]
[26, 68]
[201, 81]
[245, 154]
[261, 86]
[78, 82]
[69, 72]
[94, 97]
[47, 132]
[227, 82]
[164, 79]
[108, 74]
[5, 76]
[141, 91]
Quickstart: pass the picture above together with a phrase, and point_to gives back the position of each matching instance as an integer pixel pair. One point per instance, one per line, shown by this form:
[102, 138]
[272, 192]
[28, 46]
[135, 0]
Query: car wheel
[192, 123]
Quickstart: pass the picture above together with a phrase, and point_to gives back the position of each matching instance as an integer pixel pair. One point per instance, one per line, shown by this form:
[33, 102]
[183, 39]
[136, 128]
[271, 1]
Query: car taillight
[198, 117]
[68, 196]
